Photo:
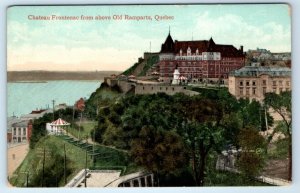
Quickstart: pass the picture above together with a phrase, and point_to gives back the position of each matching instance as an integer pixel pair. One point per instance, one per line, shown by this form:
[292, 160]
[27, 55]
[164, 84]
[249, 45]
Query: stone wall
[168, 89]
[149, 88]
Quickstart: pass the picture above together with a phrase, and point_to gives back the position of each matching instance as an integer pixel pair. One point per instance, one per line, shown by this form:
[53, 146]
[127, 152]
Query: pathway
[15, 155]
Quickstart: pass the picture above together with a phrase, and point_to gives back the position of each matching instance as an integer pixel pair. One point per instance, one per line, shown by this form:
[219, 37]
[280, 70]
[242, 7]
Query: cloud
[233, 29]
[52, 45]
[47, 57]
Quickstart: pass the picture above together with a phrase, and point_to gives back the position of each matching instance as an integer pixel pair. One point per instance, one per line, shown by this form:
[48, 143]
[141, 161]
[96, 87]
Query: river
[23, 97]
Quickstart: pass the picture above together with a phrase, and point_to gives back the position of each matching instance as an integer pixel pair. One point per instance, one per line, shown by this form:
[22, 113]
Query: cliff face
[143, 65]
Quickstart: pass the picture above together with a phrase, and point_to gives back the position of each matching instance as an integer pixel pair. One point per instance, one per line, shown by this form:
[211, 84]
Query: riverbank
[36, 76]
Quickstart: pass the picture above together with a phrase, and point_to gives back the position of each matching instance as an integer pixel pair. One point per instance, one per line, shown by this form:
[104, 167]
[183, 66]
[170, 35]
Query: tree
[202, 132]
[39, 129]
[161, 152]
[282, 104]
[251, 160]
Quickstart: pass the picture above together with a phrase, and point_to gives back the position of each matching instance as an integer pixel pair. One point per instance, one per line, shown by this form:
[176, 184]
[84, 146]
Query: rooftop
[260, 70]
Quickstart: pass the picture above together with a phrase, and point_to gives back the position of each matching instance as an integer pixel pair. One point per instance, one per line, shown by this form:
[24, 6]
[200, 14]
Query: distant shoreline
[44, 76]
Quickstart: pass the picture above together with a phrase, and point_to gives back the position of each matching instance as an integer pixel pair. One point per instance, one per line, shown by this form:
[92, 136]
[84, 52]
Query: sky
[90, 45]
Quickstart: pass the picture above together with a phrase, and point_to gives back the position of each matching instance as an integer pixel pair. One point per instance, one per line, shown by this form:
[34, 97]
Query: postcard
[183, 95]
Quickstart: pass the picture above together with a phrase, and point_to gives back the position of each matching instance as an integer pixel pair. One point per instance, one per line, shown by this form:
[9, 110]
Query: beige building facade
[253, 82]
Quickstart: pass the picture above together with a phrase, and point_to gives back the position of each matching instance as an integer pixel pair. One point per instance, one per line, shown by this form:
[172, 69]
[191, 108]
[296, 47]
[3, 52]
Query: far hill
[13, 76]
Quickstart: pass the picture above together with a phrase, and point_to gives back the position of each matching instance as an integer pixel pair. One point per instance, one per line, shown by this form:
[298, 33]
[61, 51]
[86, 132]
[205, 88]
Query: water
[22, 98]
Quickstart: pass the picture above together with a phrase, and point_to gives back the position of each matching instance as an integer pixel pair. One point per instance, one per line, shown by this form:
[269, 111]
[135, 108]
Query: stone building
[198, 60]
[21, 131]
[254, 81]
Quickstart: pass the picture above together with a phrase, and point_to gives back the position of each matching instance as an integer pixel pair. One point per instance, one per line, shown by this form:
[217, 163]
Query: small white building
[57, 127]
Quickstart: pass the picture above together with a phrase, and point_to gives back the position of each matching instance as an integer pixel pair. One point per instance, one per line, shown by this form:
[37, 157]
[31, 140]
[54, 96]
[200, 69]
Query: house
[19, 131]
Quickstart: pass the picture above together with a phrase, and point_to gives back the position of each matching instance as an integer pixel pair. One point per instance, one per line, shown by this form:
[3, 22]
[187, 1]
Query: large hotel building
[199, 60]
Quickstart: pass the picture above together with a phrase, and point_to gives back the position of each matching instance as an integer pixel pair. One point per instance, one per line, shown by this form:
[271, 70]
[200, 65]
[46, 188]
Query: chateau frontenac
[198, 60]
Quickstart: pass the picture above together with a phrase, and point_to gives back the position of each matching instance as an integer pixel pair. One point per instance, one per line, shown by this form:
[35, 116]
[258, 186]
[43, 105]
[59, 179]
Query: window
[247, 83]
[264, 82]
[241, 91]
[280, 82]
[241, 83]
[280, 90]
[143, 88]
[253, 83]
[274, 83]
[288, 83]
[254, 91]
[264, 90]
[159, 88]
[247, 91]
[24, 131]
[274, 90]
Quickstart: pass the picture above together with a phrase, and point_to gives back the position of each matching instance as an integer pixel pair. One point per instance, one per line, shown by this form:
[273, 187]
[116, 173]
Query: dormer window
[180, 52]
[189, 51]
[197, 52]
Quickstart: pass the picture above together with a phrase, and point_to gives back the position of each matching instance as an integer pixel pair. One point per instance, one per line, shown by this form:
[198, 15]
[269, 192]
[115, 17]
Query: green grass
[130, 70]
[230, 179]
[88, 126]
[34, 159]
[107, 158]
[280, 151]
[150, 62]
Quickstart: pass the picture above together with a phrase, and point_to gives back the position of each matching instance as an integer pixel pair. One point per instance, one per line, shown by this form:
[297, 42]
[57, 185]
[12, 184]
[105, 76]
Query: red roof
[207, 46]
[202, 45]
[37, 111]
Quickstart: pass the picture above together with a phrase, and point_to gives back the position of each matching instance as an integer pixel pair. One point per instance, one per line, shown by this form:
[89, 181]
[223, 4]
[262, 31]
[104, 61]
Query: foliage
[130, 70]
[104, 96]
[206, 123]
[53, 164]
[39, 129]
[161, 152]
[39, 125]
[282, 104]
[251, 160]
[150, 62]
[53, 172]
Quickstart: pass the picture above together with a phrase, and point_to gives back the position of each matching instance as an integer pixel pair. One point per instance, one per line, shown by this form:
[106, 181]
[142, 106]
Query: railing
[77, 179]
[274, 181]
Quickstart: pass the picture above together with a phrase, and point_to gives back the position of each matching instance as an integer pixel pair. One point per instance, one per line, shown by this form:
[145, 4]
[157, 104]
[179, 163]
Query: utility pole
[79, 129]
[53, 101]
[266, 119]
[85, 169]
[43, 167]
[65, 164]
[94, 146]
[27, 177]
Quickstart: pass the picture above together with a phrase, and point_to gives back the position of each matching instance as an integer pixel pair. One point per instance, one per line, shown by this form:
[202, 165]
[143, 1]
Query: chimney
[242, 49]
